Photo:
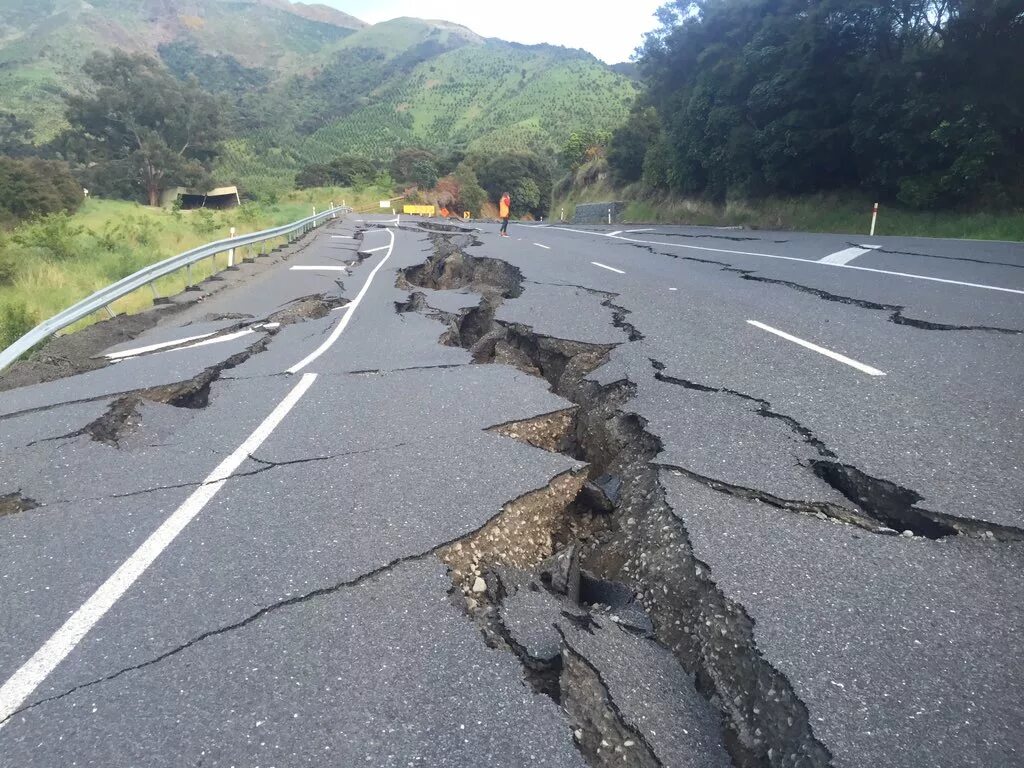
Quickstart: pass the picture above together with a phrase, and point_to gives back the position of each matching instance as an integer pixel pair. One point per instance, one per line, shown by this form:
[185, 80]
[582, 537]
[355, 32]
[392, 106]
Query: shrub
[204, 222]
[36, 187]
[8, 267]
[55, 234]
[15, 321]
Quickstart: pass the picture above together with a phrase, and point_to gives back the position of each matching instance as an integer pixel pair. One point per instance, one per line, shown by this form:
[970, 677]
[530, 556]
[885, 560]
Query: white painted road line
[928, 278]
[845, 256]
[820, 350]
[637, 231]
[34, 671]
[350, 310]
[154, 347]
[605, 266]
[222, 339]
[319, 269]
[545, 247]
[341, 237]
[615, 233]
[374, 250]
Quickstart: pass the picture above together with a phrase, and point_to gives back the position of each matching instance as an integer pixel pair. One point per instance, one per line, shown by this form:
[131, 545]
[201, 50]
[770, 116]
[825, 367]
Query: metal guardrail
[106, 296]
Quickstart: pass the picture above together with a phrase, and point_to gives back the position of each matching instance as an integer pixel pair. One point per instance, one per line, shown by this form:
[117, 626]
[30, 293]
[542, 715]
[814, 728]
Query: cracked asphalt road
[297, 613]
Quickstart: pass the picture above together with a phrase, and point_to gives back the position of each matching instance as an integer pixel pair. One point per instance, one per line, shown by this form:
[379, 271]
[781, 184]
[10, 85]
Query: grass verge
[840, 214]
[48, 264]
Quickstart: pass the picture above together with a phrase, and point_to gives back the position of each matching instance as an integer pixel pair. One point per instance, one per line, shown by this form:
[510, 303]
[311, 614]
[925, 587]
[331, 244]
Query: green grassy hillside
[305, 83]
[44, 42]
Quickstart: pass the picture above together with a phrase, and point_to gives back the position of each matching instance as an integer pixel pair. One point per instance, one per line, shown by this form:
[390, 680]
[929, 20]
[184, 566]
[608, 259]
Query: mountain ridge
[304, 82]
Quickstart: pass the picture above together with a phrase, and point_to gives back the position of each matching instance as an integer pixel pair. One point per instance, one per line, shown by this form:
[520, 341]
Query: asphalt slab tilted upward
[414, 494]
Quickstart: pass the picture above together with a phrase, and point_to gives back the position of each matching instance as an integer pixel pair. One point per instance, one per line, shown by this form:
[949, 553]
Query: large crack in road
[597, 558]
[643, 545]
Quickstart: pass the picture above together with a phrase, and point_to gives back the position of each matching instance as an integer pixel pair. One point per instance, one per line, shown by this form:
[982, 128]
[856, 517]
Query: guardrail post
[110, 312]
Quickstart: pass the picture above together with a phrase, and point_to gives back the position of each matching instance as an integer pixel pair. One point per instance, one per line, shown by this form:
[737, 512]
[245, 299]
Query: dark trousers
[504, 226]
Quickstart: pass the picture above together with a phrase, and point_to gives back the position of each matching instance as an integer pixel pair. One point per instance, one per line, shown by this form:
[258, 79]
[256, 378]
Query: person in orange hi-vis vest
[504, 211]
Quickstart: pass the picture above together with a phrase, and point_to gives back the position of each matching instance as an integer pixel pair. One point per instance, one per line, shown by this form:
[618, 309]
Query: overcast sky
[609, 31]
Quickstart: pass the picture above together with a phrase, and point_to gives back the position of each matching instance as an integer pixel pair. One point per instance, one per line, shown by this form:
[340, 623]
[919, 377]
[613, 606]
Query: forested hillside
[915, 101]
[301, 84]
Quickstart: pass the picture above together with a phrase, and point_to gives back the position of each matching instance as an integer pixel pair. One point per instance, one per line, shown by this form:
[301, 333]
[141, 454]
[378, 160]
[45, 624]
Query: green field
[48, 265]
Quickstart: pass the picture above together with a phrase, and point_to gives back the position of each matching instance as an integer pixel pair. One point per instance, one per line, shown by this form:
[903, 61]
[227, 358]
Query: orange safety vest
[505, 208]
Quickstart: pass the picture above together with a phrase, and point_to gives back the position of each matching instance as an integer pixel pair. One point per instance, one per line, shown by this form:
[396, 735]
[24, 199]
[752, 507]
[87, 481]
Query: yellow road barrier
[418, 210]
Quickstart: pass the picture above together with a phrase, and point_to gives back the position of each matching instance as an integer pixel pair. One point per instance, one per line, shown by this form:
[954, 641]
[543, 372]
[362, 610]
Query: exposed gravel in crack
[644, 545]
[12, 503]
[603, 735]
[264, 611]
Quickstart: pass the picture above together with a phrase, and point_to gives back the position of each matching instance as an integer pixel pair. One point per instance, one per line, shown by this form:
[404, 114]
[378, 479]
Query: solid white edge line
[299, 268]
[33, 672]
[805, 261]
[154, 347]
[374, 250]
[341, 237]
[350, 310]
[605, 266]
[820, 350]
[545, 247]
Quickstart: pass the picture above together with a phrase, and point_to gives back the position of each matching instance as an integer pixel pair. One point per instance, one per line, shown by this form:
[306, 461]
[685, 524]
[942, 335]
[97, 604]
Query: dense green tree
[162, 131]
[917, 99]
[630, 143]
[584, 145]
[16, 135]
[525, 175]
[472, 196]
[425, 174]
[415, 166]
[36, 187]
[343, 171]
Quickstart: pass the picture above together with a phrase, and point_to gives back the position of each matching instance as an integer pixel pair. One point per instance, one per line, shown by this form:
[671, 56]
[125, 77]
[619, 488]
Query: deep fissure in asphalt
[13, 503]
[642, 544]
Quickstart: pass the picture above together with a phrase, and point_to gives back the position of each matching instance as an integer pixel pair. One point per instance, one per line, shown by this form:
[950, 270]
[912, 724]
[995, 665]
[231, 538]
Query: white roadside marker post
[874, 219]
[335, 214]
[609, 215]
[231, 252]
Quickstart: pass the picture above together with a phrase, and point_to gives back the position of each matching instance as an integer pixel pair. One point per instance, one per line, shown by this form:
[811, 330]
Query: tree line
[919, 101]
[457, 180]
[141, 130]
